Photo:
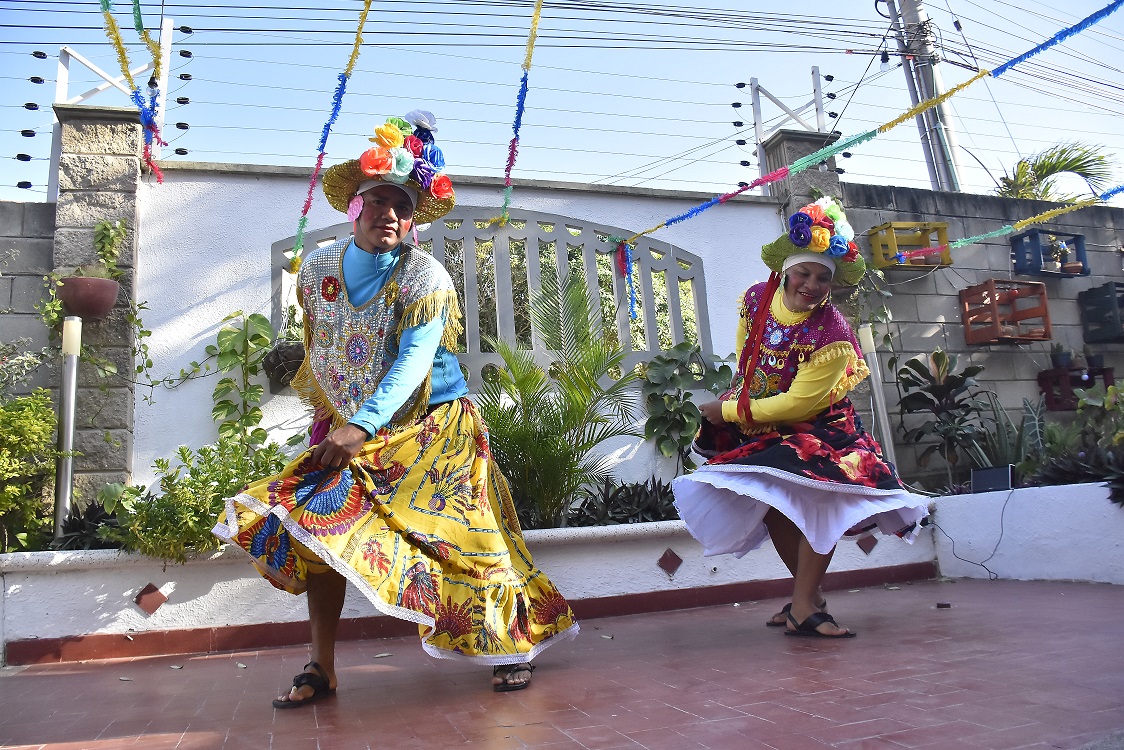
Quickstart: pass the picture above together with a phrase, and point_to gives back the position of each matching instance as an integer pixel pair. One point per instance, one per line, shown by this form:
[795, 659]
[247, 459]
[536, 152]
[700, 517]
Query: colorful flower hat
[819, 228]
[404, 154]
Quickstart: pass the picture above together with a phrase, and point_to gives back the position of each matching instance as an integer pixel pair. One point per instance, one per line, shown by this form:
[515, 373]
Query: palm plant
[1036, 177]
[545, 427]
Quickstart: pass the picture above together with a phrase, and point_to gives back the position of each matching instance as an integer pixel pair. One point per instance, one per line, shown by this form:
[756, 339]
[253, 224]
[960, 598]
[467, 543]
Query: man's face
[385, 220]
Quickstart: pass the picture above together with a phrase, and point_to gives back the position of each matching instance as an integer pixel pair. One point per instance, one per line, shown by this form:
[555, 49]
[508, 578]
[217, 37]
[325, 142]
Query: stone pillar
[786, 146]
[99, 169]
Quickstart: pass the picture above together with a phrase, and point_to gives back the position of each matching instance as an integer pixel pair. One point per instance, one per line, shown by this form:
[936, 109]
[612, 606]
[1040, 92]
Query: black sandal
[317, 680]
[784, 613]
[509, 670]
[808, 627]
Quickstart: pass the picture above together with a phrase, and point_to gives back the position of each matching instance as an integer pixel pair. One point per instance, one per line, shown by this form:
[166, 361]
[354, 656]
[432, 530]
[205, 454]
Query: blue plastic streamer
[521, 103]
[692, 213]
[337, 102]
[1109, 194]
[631, 285]
[1061, 36]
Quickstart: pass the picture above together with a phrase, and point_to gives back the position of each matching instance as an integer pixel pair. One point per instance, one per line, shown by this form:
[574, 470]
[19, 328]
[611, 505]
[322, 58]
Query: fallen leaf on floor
[381, 656]
[240, 665]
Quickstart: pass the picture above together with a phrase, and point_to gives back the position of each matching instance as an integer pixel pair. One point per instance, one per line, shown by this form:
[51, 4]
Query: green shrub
[178, 522]
[673, 418]
[635, 502]
[27, 465]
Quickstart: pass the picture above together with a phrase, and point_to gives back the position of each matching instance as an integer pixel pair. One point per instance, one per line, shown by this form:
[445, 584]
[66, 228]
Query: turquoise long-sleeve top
[419, 349]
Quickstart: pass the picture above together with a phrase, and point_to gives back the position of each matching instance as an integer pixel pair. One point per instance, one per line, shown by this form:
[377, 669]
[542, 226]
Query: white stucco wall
[58, 594]
[1068, 533]
[204, 252]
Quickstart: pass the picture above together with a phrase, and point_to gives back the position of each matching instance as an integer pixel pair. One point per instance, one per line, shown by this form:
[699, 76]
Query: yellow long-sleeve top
[821, 380]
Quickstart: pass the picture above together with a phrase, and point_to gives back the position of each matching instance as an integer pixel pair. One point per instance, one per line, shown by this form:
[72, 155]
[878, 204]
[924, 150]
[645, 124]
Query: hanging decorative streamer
[1061, 36]
[520, 102]
[1010, 228]
[802, 164]
[147, 110]
[929, 103]
[337, 103]
[780, 174]
[624, 265]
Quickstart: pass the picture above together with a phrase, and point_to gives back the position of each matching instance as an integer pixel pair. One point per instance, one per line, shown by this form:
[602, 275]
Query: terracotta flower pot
[88, 297]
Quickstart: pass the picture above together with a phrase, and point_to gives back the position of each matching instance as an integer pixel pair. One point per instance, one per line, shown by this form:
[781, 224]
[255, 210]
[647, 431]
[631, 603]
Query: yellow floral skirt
[423, 524]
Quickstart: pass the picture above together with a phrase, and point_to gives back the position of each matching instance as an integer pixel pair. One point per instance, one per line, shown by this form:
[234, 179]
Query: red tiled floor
[1006, 667]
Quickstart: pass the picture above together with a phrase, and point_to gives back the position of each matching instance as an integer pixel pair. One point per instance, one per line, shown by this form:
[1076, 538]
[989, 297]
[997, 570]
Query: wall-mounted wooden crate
[1057, 385]
[1101, 318]
[1031, 251]
[888, 240]
[1000, 311]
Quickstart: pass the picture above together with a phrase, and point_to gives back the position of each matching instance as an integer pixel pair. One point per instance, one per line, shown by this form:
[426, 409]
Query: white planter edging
[62, 594]
[1065, 533]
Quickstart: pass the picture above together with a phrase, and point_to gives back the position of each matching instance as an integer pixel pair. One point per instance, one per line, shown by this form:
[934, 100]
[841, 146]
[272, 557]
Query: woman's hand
[338, 449]
[712, 412]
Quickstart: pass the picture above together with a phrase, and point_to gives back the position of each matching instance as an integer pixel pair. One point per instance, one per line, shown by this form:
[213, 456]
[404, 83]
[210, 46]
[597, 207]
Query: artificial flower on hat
[403, 153]
[819, 227]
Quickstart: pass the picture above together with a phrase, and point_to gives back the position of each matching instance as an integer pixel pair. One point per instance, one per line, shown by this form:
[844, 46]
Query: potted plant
[1060, 357]
[932, 387]
[285, 358]
[1058, 253]
[90, 290]
[1092, 359]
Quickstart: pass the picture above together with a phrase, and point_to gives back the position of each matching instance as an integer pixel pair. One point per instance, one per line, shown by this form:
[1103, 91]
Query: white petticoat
[724, 507]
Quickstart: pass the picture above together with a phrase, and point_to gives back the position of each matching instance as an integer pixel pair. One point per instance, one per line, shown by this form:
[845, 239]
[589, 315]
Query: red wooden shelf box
[1057, 385]
[1000, 311]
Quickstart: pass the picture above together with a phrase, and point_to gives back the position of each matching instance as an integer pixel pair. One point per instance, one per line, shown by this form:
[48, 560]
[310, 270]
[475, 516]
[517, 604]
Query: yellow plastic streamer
[638, 235]
[533, 35]
[1020, 225]
[154, 49]
[358, 39]
[930, 103]
[114, 34]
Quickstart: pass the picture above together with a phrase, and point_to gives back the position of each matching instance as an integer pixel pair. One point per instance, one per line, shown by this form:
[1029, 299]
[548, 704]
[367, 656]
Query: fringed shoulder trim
[442, 302]
[832, 351]
[856, 373]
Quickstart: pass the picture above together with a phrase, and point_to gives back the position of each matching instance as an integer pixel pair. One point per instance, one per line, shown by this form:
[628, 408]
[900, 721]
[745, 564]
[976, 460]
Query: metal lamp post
[64, 467]
[881, 416]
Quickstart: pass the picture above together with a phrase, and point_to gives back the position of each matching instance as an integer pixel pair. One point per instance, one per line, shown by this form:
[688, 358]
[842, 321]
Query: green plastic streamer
[969, 240]
[824, 153]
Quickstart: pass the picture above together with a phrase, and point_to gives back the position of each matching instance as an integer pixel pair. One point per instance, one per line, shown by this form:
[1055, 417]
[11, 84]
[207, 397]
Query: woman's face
[806, 285]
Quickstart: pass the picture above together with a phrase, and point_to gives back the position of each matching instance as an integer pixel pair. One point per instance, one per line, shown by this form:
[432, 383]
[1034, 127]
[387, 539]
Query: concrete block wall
[26, 235]
[926, 305]
[99, 170]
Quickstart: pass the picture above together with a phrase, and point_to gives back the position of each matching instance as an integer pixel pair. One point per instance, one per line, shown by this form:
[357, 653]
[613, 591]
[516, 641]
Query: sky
[621, 93]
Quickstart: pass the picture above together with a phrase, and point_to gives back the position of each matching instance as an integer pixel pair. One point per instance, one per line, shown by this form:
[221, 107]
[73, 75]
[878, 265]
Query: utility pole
[911, 85]
[920, 62]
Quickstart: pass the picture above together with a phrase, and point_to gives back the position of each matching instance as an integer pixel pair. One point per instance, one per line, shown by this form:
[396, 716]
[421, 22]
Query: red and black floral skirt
[826, 474]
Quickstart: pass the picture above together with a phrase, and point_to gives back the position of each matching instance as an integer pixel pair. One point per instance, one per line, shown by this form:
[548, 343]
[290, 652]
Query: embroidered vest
[785, 348]
[350, 349]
